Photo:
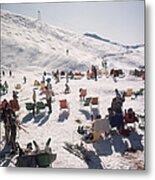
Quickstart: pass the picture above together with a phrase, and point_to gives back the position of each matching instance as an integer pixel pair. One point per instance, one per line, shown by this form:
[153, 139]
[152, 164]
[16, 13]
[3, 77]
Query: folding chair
[87, 101]
[94, 101]
[83, 93]
[94, 108]
[63, 104]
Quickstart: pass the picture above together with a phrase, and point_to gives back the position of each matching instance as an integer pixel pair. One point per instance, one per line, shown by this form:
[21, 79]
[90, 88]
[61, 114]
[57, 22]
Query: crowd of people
[116, 117]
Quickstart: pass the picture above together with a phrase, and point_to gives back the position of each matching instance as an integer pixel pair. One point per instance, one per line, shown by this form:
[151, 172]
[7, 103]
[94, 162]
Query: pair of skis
[46, 149]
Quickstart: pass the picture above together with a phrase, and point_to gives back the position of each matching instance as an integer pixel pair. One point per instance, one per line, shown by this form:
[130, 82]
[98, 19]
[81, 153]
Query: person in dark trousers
[10, 73]
[6, 120]
[49, 99]
[9, 119]
[14, 95]
[94, 71]
[57, 76]
[44, 73]
[116, 105]
[117, 93]
[67, 52]
[115, 119]
[24, 79]
[13, 132]
[3, 72]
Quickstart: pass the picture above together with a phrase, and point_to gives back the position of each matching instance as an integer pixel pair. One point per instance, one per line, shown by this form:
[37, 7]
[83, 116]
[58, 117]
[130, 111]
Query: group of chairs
[92, 102]
[88, 101]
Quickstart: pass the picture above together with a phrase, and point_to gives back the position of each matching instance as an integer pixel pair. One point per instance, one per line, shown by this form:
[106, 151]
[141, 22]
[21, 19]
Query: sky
[120, 21]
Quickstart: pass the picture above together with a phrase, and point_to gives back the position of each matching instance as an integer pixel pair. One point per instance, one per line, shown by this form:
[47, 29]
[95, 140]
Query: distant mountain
[95, 36]
[27, 42]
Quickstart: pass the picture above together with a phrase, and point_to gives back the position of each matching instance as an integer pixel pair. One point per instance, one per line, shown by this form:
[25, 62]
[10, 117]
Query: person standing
[34, 96]
[67, 52]
[9, 118]
[24, 78]
[3, 72]
[10, 73]
[49, 98]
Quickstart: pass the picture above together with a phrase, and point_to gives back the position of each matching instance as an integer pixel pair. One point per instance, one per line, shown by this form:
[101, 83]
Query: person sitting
[130, 117]
[86, 135]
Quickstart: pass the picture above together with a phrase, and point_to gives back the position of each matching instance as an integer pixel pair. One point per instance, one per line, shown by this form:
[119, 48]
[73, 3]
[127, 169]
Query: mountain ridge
[28, 42]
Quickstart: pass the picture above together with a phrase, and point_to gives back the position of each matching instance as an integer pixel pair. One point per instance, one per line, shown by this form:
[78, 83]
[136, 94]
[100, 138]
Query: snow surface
[29, 48]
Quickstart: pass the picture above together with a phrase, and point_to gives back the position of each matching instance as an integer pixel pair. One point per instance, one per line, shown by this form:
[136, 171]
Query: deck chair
[94, 101]
[29, 106]
[83, 93]
[40, 106]
[129, 92]
[87, 101]
[63, 104]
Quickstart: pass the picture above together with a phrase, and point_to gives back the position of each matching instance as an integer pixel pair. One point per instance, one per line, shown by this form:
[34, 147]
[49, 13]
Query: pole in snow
[39, 16]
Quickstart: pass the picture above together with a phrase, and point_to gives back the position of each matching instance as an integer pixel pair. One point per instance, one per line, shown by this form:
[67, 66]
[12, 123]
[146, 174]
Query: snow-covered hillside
[30, 47]
[29, 42]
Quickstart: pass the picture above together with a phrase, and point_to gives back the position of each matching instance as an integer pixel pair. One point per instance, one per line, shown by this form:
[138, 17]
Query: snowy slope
[29, 47]
[63, 130]
[28, 42]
